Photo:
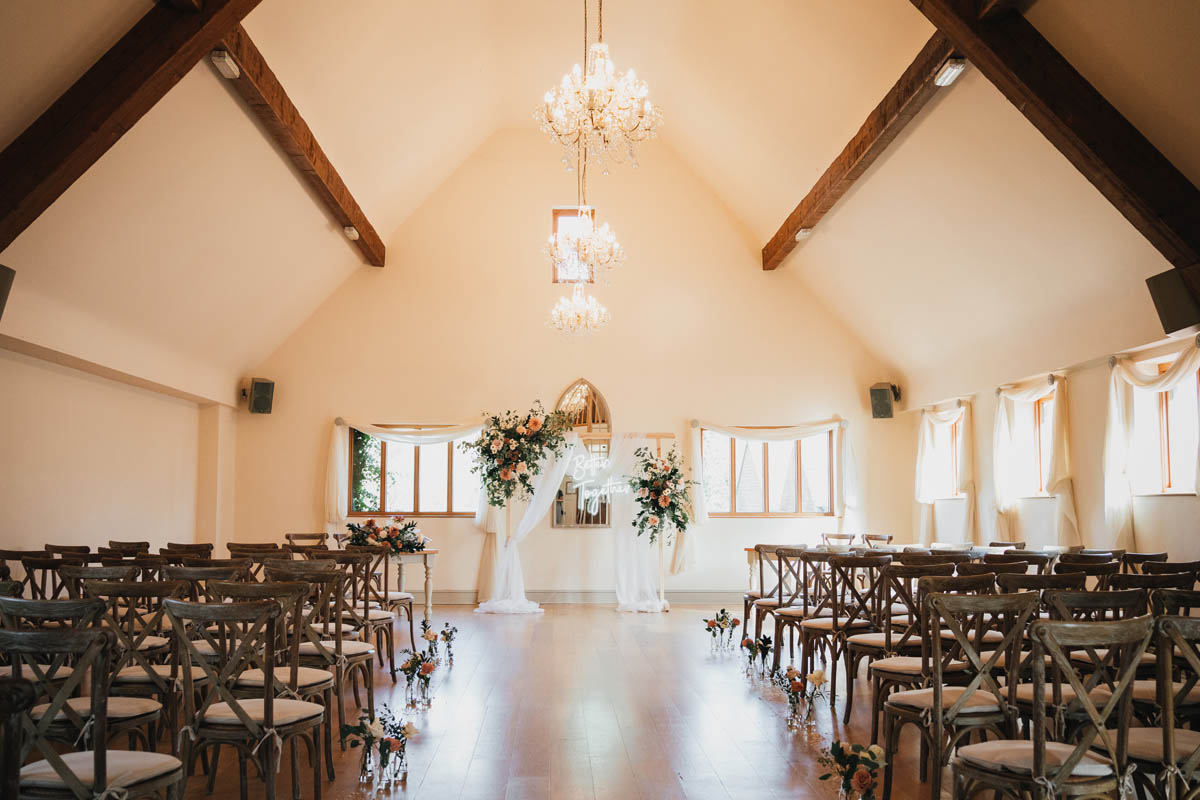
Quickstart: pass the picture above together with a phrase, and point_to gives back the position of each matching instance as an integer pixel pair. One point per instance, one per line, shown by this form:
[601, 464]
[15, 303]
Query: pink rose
[522, 467]
[653, 521]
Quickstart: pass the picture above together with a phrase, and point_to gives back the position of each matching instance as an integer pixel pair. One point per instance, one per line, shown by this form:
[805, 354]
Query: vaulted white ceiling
[194, 235]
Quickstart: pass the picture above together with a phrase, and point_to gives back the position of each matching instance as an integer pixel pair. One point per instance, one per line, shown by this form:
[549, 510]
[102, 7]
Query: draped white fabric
[508, 583]
[927, 488]
[637, 572]
[844, 492]
[337, 471]
[1058, 480]
[1126, 378]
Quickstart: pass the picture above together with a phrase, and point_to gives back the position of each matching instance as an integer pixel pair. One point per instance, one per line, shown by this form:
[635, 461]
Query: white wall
[86, 459]
[455, 326]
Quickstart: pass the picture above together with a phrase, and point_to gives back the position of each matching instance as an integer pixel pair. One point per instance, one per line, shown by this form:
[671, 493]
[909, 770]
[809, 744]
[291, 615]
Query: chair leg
[294, 751]
[851, 667]
[340, 686]
[412, 631]
[369, 686]
[889, 753]
[316, 758]
[876, 702]
[245, 789]
[328, 726]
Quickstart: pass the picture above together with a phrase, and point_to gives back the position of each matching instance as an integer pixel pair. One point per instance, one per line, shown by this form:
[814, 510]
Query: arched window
[578, 505]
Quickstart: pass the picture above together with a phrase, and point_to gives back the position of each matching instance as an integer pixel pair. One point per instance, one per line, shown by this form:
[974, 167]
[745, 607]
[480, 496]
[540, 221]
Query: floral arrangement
[510, 448]
[751, 648]
[765, 649]
[661, 493]
[448, 634]
[384, 739]
[401, 535]
[418, 669]
[797, 687]
[430, 636]
[720, 628]
[855, 766]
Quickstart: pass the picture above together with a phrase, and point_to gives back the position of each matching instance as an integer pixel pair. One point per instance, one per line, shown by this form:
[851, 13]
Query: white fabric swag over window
[1127, 377]
[927, 489]
[842, 469]
[1058, 478]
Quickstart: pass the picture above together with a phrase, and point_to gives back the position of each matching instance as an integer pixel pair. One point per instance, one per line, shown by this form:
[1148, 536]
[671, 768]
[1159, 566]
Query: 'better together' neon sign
[586, 471]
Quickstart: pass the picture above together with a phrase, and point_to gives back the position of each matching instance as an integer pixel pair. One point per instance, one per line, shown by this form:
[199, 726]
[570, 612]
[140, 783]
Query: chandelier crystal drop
[584, 253]
[579, 315]
[598, 111]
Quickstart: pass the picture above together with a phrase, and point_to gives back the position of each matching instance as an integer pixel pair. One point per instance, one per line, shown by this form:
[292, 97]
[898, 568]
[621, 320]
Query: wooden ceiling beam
[1111, 153]
[258, 86]
[883, 124]
[89, 118]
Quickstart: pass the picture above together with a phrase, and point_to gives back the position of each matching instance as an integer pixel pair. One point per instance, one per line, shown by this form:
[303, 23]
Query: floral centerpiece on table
[448, 634]
[855, 766]
[510, 448]
[384, 741]
[661, 493]
[400, 535]
[720, 629]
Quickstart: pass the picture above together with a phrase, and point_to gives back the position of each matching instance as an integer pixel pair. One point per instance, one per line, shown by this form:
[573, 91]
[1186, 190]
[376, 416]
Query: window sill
[387, 515]
[1037, 497]
[767, 515]
[1164, 494]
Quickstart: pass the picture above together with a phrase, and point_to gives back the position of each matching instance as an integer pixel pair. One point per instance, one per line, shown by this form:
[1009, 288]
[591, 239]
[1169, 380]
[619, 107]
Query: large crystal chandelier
[579, 315]
[594, 109]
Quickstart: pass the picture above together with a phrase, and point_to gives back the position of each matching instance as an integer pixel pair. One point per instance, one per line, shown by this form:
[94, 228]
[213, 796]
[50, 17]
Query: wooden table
[426, 557]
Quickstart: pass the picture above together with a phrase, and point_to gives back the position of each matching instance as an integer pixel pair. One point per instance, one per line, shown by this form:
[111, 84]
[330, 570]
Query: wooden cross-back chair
[1170, 580]
[10, 557]
[1102, 606]
[877, 539]
[244, 637]
[800, 594]
[1135, 562]
[1094, 762]
[975, 568]
[380, 615]
[356, 610]
[73, 576]
[149, 567]
[779, 578]
[1081, 557]
[129, 547]
[1175, 602]
[768, 582]
[17, 613]
[16, 695]
[1009, 545]
[898, 665]
[855, 606]
[912, 705]
[837, 539]
[196, 549]
[77, 549]
[42, 578]
[1043, 561]
[307, 538]
[1154, 749]
[83, 774]
[314, 684]
[1163, 567]
[1101, 573]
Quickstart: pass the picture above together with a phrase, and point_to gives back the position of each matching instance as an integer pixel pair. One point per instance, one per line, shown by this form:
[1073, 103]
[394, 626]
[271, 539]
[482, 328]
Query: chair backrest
[378, 585]
[357, 568]
[1040, 583]
[1175, 602]
[291, 596]
[1123, 642]
[815, 587]
[82, 549]
[857, 588]
[42, 579]
[1115, 555]
[1128, 580]
[228, 563]
[201, 549]
[924, 559]
[1099, 606]
[322, 618]
[129, 547]
[306, 538]
[967, 585]
[234, 547]
[1011, 568]
[14, 557]
[904, 628]
[768, 569]
[1133, 562]
[135, 612]
[877, 539]
[1101, 572]
[149, 567]
[306, 550]
[20, 614]
[197, 579]
[89, 652]
[1081, 557]
[788, 588]
[1165, 567]
[1037, 558]
[837, 539]
[73, 576]
[1010, 545]
[1178, 646]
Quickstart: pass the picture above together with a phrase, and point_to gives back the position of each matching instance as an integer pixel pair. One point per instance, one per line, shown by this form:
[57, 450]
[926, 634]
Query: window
[1033, 428]
[421, 480]
[570, 223]
[945, 460]
[1163, 456]
[580, 502]
[767, 479]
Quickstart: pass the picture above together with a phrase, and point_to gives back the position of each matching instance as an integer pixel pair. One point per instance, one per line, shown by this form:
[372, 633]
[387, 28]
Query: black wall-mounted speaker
[262, 395]
[6, 280]
[1176, 299]
[882, 397]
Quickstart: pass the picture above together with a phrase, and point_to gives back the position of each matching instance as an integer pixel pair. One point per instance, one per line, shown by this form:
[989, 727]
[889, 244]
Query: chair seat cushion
[1016, 755]
[871, 640]
[1099, 695]
[826, 623]
[349, 648]
[1147, 692]
[767, 602]
[306, 677]
[118, 708]
[398, 595]
[137, 674]
[910, 665]
[153, 642]
[378, 615]
[753, 594]
[1082, 657]
[994, 637]
[285, 712]
[125, 768]
[1146, 744]
[62, 673]
[978, 702]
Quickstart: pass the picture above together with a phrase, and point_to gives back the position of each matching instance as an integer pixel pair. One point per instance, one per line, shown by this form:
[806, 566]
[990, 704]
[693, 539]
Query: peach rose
[747, 642]
[506, 474]
[708, 623]
[796, 686]
[428, 667]
[664, 501]
[653, 521]
[522, 467]
[862, 782]
[396, 745]
[521, 429]
[535, 424]
[735, 622]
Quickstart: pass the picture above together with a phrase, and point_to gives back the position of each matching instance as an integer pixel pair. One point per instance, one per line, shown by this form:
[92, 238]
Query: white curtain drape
[1058, 481]
[508, 583]
[927, 489]
[1126, 377]
[844, 492]
[637, 572]
[337, 472]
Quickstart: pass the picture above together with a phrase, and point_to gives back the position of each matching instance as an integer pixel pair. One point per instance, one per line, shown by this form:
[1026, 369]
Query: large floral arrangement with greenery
[509, 450]
[661, 493]
[401, 535]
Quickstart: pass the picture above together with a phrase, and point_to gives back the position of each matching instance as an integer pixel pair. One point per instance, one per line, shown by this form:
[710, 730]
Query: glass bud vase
[424, 694]
[366, 769]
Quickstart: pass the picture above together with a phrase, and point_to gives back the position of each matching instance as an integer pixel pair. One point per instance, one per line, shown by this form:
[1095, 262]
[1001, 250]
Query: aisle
[583, 702]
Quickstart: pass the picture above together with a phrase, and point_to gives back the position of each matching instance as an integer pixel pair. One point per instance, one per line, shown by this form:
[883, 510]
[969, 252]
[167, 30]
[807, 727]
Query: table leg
[428, 589]
[751, 561]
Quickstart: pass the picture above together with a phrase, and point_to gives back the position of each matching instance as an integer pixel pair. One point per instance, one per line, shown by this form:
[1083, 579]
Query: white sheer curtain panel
[637, 572]
[337, 471]
[928, 488]
[1126, 378]
[1058, 480]
[508, 583]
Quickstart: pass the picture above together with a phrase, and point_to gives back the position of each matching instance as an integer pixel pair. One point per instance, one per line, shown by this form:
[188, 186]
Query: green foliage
[509, 451]
[661, 492]
[366, 462]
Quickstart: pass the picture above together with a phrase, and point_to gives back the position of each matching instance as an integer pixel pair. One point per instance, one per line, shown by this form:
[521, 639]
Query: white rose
[409, 730]
[375, 728]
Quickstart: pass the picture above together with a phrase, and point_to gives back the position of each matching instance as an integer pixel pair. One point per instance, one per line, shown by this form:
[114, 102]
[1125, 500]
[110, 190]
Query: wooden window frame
[1166, 480]
[416, 512]
[1038, 412]
[557, 213]
[768, 514]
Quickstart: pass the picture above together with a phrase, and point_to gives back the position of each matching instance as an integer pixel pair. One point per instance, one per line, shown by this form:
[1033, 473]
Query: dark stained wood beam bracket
[89, 118]
[258, 86]
[1111, 153]
[884, 123]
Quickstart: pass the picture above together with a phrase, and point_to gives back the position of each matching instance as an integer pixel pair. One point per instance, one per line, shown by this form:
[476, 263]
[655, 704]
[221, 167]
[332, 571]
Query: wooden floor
[583, 702]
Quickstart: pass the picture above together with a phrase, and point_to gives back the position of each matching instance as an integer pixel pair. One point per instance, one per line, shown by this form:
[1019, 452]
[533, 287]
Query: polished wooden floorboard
[584, 702]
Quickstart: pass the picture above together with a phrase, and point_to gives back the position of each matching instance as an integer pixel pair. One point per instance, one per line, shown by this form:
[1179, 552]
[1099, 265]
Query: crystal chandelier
[584, 252]
[578, 316]
[596, 110]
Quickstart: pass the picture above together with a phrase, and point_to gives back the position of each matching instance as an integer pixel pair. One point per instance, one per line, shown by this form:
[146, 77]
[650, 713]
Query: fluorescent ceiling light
[950, 71]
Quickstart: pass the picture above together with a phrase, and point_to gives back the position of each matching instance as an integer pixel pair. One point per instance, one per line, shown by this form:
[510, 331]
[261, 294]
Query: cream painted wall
[86, 459]
[455, 325]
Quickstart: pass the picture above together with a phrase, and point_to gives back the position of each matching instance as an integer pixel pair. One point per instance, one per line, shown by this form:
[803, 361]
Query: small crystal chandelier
[584, 253]
[597, 110]
[580, 315]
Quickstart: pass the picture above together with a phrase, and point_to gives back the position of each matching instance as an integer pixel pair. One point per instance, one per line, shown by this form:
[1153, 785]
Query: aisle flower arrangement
[855, 766]
[418, 669]
[400, 535]
[510, 448]
[430, 636]
[661, 492]
[765, 650]
[751, 648]
[800, 688]
[384, 742]
[720, 629]
[448, 634]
